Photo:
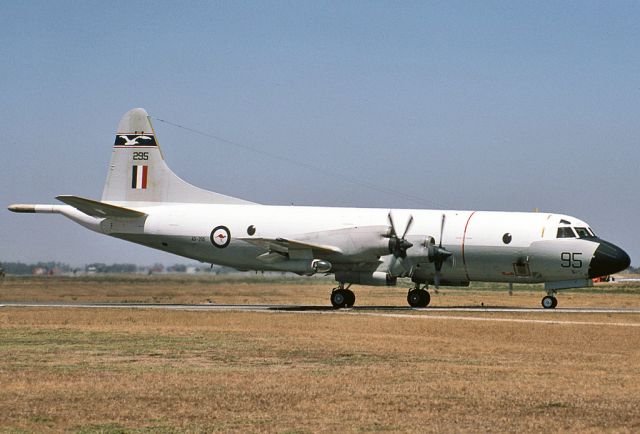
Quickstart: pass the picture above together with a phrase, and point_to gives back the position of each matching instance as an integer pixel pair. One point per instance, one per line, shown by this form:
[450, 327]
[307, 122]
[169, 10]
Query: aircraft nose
[608, 259]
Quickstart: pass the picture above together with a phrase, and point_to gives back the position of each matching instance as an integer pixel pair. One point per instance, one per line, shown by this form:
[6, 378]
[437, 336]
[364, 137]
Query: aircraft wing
[99, 209]
[286, 246]
[362, 244]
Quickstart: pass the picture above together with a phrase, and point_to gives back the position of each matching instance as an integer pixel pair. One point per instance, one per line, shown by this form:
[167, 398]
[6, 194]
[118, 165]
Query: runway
[322, 309]
[315, 308]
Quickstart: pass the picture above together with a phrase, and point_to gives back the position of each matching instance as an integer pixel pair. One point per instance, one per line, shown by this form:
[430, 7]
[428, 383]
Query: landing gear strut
[342, 297]
[550, 301]
[418, 297]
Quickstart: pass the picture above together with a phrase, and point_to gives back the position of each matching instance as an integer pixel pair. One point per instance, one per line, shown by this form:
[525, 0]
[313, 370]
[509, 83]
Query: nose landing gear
[550, 301]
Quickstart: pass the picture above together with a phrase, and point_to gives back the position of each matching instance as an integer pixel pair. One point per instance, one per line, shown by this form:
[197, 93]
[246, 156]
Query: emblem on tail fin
[135, 140]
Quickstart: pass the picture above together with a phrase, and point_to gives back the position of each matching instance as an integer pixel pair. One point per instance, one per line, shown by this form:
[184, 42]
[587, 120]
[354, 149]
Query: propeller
[398, 246]
[438, 254]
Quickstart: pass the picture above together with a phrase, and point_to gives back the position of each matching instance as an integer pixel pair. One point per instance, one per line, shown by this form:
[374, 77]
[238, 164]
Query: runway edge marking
[515, 320]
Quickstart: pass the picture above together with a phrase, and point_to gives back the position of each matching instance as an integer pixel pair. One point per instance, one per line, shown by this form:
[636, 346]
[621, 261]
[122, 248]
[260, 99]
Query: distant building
[39, 271]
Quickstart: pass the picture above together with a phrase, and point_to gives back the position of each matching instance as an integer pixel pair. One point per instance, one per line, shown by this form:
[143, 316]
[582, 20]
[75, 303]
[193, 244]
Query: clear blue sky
[468, 105]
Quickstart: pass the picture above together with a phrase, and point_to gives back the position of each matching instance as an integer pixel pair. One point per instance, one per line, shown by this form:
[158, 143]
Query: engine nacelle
[377, 278]
[358, 244]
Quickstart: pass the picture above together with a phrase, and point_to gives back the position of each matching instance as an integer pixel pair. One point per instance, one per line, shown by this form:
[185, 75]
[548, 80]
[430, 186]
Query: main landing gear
[550, 301]
[418, 297]
[342, 297]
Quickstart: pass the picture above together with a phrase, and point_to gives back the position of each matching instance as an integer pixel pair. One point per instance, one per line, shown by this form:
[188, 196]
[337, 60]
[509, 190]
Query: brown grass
[273, 290]
[110, 370]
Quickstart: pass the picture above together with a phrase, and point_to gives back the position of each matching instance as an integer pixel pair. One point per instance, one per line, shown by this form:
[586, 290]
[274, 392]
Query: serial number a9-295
[141, 156]
[570, 260]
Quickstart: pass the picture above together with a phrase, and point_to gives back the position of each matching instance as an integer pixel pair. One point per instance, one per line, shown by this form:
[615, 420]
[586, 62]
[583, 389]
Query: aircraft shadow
[389, 308]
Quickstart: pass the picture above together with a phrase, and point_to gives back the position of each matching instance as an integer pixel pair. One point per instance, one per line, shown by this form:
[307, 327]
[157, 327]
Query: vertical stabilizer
[138, 172]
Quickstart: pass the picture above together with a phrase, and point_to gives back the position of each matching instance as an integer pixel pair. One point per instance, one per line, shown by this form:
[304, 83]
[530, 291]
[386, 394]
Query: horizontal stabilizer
[99, 209]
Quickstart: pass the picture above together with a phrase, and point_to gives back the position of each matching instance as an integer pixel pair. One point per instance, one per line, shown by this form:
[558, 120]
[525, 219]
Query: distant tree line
[21, 268]
[54, 268]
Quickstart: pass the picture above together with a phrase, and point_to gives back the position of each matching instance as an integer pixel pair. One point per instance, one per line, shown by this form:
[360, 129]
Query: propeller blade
[409, 223]
[393, 227]
[436, 279]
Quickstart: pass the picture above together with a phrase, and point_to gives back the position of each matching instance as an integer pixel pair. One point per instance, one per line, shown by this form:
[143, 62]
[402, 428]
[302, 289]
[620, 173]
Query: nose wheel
[549, 302]
[342, 297]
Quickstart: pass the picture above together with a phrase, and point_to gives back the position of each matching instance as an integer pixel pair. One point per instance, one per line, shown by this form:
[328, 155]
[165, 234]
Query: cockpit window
[565, 232]
[591, 232]
[583, 233]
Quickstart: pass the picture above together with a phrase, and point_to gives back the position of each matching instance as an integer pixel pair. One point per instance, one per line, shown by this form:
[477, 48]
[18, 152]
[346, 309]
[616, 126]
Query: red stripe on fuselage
[464, 239]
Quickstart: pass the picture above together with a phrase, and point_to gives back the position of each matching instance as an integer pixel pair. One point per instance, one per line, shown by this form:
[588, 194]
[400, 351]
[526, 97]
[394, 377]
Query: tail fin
[138, 172]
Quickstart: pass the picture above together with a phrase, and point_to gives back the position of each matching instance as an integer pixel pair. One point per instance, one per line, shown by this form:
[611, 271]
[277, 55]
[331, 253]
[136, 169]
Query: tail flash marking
[139, 177]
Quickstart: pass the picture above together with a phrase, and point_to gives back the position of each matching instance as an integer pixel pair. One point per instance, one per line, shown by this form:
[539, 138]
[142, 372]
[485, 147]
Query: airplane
[144, 202]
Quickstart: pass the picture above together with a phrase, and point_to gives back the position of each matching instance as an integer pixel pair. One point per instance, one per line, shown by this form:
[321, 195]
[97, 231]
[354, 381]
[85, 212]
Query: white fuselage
[485, 246]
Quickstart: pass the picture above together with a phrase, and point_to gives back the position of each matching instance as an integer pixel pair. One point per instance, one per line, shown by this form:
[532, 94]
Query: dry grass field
[138, 370]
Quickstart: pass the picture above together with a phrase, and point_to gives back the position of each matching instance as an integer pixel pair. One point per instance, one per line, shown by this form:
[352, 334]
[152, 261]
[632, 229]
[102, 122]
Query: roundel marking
[220, 237]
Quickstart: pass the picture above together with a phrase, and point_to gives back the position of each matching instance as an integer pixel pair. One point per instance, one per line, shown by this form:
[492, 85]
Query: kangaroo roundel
[220, 237]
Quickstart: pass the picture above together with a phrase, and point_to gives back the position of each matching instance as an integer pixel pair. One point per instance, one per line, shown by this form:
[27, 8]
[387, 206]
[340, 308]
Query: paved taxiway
[431, 313]
[319, 309]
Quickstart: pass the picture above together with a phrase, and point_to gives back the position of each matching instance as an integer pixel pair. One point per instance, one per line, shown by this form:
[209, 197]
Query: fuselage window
[583, 233]
[565, 232]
